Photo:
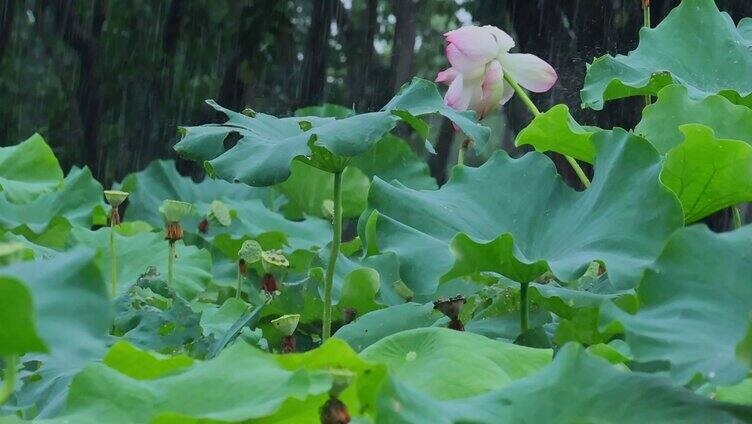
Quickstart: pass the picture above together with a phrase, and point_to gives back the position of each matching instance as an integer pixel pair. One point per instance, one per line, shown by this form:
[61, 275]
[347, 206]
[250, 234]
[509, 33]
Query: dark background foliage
[107, 82]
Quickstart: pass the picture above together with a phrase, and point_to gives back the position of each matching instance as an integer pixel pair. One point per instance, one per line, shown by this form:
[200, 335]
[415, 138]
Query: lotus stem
[171, 263]
[240, 279]
[524, 308]
[9, 380]
[646, 24]
[326, 329]
[737, 217]
[113, 264]
[530, 105]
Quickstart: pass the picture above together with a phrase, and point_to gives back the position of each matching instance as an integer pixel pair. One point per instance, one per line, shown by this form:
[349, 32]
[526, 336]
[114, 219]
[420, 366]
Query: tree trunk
[314, 73]
[403, 46]
[7, 14]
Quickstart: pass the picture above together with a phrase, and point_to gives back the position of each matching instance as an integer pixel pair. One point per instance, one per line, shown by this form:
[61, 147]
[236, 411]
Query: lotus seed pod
[174, 210]
[115, 198]
[401, 288]
[341, 380]
[286, 324]
[220, 213]
[275, 257]
[450, 307]
[250, 251]
[249, 112]
[327, 209]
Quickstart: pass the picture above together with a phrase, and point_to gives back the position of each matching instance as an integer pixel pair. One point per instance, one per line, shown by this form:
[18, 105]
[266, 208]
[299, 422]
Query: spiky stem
[737, 217]
[113, 264]
[9, 380]
[171, 263]
[530, 105]
[326, 330]
[524, 307]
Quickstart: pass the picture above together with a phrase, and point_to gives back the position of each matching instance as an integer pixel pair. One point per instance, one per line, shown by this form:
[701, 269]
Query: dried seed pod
[349, 315]
[288, 344]
[173, 232]
[451, 307]
[203, 226]
[269, 283]
[334, 412]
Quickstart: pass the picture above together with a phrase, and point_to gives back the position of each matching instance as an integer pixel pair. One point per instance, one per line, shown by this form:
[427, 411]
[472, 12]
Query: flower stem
[113, 264]
[737, 217]
[326, 330]
[9, 380]
[646, 24]
[524, 308]
[530, 105]
[461, 154]
[171, 264]
[240, 279]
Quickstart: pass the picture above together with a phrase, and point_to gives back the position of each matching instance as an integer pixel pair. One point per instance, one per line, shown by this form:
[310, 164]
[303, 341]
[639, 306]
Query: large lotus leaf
[28, 169]
[421, 97]
[308, 187]
[143, 365]
[265, 151]
[674, 107]
[69, 302]
[74, 204]
[138, 252]
[152, 316]
[377, 325]
[452, 364]
[239, 385]
[696, 45]
[575, 388]
[708, 173]
[516, 217]
[694, 311]
[206, 142]
[217, 321]
[389, 159]
[160, 180]
[740, 393]
[393, 159]
[556, 130]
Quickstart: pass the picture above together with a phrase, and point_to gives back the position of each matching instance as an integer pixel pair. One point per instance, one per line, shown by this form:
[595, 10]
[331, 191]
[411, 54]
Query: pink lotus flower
[479, 57]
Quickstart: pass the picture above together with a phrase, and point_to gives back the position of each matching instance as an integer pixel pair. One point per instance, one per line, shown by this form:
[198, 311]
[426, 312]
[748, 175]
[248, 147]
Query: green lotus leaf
[740, 393]
[152, 316]
[268, 145]
[294, 387]
[251, 218]
[669, 54]
[160, 180]
[708, 173]
[326, 110]
[217, 321]
[47, 220]
[603, 393]
[308, 187]
[517, 218]
[376, 325]
[694, 312]
[556, 130]
[451, 364]
[420, 97]
[138, 252]
[142, 365]
[661, 121]
[28, 170]
[55, 301]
